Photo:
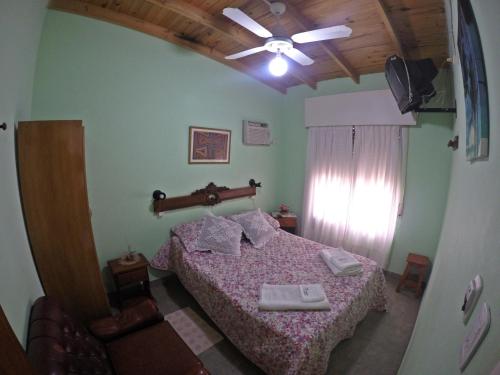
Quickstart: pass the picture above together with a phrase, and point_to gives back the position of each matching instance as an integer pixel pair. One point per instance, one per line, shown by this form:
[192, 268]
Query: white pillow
[256, 228]
[271, 220]
[220, 236]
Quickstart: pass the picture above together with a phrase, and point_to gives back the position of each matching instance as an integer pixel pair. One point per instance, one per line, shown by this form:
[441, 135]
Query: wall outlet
[475, 336]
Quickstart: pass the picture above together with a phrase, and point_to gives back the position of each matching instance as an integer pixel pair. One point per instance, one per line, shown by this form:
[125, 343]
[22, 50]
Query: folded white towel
[341, 259]
[338, 272]
[287, 297]
[312, 293]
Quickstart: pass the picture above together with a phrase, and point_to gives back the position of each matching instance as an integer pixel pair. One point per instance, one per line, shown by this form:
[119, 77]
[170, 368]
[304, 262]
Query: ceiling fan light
[278, 66]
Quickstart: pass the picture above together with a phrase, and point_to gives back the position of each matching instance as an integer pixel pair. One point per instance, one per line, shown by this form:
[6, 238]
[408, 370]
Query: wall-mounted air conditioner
[256, 133]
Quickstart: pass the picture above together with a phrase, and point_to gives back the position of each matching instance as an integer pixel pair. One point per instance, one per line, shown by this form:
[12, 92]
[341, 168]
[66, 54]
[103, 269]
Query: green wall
[137, 96]
[427, 178]
[470, 238]
[428, 167]
[20, 28]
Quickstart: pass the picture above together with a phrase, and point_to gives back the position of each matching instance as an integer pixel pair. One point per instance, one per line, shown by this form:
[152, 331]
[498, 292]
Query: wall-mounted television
[410, 81]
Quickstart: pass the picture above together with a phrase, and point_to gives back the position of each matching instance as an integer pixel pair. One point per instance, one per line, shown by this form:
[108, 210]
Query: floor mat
[195, 332]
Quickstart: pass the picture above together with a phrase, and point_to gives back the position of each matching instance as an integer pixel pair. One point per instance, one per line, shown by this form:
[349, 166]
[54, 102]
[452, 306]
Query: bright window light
[331, 199]
[278, 66]
[371, 208]
[365, 208]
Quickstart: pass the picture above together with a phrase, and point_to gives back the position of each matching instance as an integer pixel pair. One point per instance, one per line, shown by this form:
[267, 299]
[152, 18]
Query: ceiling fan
[281, 44]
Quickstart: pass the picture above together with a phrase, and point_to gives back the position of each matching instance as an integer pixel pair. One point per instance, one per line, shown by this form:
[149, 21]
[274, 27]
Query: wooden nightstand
[418, 263]
[125, 275]
[288, 221]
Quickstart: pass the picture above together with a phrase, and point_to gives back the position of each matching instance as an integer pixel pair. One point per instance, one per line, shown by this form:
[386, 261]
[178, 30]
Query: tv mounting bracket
[436, 110]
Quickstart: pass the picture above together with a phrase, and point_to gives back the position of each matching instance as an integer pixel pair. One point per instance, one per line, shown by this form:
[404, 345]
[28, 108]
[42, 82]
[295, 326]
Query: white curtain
[328, 184]
[353, 188]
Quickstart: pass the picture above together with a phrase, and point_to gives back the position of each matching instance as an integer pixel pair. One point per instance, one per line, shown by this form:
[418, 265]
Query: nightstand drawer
[132, 277]
[287, 222]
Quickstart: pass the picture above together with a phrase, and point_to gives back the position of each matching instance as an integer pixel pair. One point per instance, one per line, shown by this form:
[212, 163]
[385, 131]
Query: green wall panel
[470, 237]
[20, 29]
[137, 97]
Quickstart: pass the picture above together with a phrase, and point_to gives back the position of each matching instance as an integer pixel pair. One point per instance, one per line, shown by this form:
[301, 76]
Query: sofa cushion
[156, 350]
[140, 315]
[60, 345]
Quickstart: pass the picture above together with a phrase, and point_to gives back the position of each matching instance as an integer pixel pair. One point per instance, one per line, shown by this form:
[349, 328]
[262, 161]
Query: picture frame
[209, 145]
[475, 83]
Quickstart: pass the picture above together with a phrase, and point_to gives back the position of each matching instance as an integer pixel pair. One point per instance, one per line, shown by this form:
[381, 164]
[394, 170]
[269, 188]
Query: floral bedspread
[228, 288]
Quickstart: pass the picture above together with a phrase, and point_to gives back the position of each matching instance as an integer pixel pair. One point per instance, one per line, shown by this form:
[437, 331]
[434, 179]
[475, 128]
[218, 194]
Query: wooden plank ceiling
[413, 28]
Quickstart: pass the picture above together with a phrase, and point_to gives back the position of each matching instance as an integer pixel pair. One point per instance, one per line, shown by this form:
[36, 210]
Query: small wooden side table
[417, 262]
[125, 275]
[288, 221]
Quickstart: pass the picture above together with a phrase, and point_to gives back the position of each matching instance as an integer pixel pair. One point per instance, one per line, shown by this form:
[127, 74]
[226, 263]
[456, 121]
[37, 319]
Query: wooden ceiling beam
[224, 27]
[389, 26]
[121, 19]
[198, 15]
[328, 47]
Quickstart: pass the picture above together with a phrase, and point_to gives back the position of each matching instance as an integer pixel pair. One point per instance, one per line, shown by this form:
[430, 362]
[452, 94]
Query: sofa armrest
[199, 371]
[143, 314]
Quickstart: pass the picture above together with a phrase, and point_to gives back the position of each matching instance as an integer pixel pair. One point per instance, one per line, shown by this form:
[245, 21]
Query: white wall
[20, 28]
[470, 238]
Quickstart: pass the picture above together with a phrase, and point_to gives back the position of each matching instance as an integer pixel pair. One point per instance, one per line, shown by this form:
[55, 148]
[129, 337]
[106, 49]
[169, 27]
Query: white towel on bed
[287, 297]
[341, 259]
[353, 268]
[312, 292]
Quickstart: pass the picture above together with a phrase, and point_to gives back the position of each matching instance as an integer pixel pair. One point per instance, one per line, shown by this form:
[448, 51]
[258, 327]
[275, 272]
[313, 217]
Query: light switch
[471, 297]
[475, 336]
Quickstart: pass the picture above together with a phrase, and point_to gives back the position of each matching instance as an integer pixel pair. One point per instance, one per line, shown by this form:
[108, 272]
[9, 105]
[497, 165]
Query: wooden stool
[419, 262]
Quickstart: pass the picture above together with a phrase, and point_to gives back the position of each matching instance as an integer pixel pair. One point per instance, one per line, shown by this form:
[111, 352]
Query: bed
[280, 343]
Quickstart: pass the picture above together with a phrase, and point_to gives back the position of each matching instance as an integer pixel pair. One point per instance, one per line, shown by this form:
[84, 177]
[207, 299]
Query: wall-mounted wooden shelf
[208, 196]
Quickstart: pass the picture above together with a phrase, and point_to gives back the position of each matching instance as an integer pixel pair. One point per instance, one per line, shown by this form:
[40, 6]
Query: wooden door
[54, 195]
[13, 359]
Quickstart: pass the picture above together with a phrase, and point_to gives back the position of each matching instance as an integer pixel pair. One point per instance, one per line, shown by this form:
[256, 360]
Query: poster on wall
[475, 86]
[209, 146]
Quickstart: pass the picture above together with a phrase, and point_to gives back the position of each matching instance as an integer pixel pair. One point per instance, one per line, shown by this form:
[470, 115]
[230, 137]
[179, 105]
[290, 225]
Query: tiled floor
[377, 347]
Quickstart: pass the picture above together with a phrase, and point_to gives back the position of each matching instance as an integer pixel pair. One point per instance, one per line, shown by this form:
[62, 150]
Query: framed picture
[475, 86]
[209, 146]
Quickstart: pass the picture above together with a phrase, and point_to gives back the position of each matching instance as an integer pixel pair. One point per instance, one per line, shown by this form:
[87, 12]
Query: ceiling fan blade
[241, 18]
[298, 56]
[247, 52]
[333, 32]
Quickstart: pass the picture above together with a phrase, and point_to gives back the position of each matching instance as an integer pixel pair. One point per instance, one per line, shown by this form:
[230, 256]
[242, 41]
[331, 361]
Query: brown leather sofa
[136, 342]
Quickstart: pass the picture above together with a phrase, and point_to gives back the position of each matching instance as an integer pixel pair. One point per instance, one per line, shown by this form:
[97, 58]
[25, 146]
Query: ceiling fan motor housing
[277, 8]
[278, 43]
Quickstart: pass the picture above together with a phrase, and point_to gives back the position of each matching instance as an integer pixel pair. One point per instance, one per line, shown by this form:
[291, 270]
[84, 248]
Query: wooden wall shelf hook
[453, 143]
[254, 184]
